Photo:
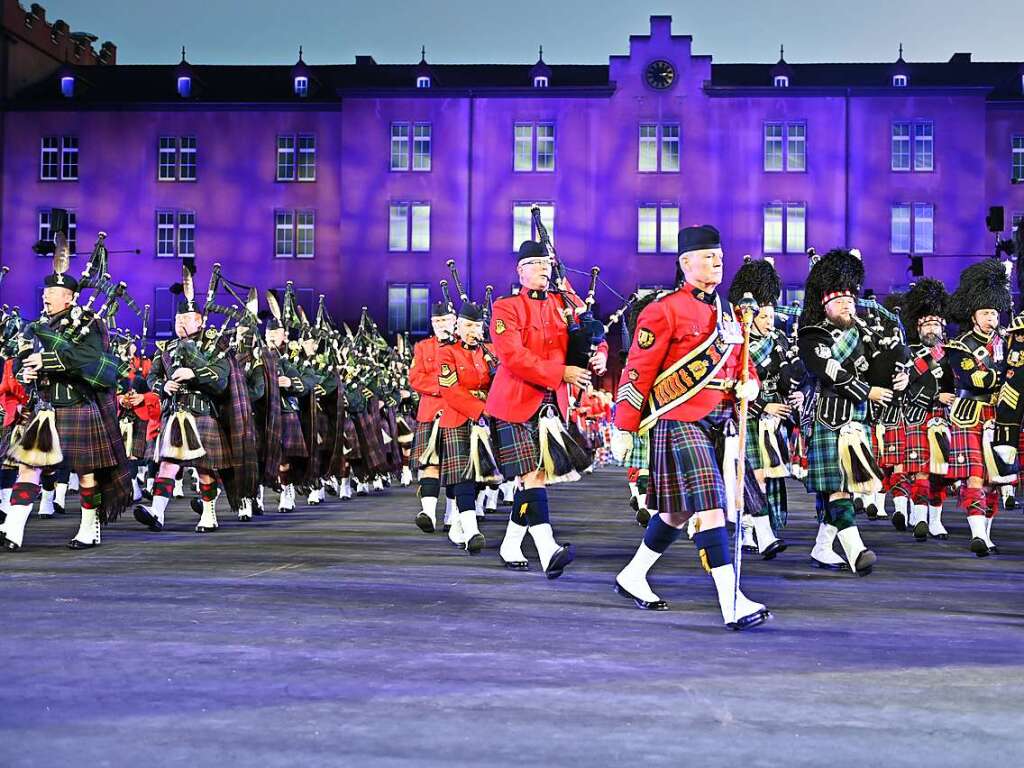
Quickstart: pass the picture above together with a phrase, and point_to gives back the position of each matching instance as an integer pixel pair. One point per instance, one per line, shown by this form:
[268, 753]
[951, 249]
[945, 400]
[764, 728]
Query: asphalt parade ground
[343, 635]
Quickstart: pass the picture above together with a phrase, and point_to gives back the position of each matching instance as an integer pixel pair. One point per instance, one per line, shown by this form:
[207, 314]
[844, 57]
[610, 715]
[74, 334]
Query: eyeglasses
[533, 262]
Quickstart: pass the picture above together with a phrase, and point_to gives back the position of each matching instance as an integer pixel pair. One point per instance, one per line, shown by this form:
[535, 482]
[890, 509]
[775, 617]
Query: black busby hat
[272, 315]
[439, 309]
[698, 238]
[471, 311]
[983, 285]
[530, 249]
[837, 274]
[186, 289]
[758, 278]
[926, 298]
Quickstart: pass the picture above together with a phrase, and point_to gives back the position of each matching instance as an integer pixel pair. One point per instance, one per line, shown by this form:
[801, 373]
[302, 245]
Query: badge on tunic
[448, 376]
[499, 326]
[823, 351]
[645, 338]
[967, 364]
[634, 375]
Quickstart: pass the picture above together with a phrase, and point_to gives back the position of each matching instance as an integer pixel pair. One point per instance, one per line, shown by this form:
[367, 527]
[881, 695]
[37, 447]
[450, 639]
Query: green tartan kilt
[823, 470]
[640, 456]
[753, 446]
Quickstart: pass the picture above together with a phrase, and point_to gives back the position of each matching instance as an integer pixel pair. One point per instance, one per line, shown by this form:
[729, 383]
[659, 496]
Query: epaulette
[162, 345]
[957, 345]
[1016, 324]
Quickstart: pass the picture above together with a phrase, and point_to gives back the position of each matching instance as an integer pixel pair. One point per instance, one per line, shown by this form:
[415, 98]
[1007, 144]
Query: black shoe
[206, 528]
[979, 547]
[993, 550]
[749, 622]
[750, 549]
[147, 495]
[643, 605]
[147, 518]
[10, 546]
[643, 517]
[871, 512]
[515, 565]
[773, 549]
[257, 509]
[899, 521]
[58, 509]
[424, 523]
[633, 503]
[446, 528]
[828, 567]
[76, 544]
[564, 555]
[505, 503]
[1010, 502]
[475, 544]
[921, 531]
[866, 562]
[858, 506]
[197, 505]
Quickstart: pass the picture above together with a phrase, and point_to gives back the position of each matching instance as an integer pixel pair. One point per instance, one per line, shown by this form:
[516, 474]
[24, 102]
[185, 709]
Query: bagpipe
[488, 307]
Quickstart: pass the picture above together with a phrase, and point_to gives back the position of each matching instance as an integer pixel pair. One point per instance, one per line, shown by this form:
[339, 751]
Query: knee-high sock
[89, 528]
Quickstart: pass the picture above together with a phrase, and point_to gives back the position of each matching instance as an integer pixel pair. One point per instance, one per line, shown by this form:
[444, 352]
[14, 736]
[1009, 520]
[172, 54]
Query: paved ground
[341, 635]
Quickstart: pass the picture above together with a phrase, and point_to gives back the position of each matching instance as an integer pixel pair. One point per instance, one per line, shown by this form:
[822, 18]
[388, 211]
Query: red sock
[972, 501]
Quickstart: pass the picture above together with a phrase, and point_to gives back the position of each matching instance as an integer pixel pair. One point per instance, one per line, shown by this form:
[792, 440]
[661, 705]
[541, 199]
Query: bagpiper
[682, 379]
[976, 358]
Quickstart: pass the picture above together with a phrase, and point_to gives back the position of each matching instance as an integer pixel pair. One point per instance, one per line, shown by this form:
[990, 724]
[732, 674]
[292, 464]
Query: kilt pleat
[892, 448]
[823, 470]
[916, 454]
[455, 453]
[640, 455]
[212, 437]
[292, 441]
[685, 475]
[83, 438]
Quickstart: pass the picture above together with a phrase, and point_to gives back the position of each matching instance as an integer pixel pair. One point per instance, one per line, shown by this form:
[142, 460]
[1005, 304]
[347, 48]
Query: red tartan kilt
[893, 448]
[83, 440]
[212, 437]
[965, 457]
[292, 441]
[917, 456]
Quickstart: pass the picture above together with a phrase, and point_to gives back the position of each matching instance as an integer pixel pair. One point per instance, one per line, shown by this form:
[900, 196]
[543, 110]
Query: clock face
[660, 74]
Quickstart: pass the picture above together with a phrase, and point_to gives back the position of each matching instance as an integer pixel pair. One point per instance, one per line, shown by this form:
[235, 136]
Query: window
[301, 86]
[540, 82]
[58, 158]
[528, 137]
[184, 87]
[421, 147]
[422, 82]
[899, 237]
[781, 81]
[922, 150]
[399, 146]
[285, 158]
[923, 147]
[175, 233]
[409, 227]
[659, 148]
[408, 308]
[1017, 172]
[307, 158]
[785, 147]
[294, 234]
[174, 164]
[912, 228]
[522, 223]
[47, 235]
[924, 228]
[657, 228]
[67, 86]
[899, 81]
[164, 309]
[785, 228]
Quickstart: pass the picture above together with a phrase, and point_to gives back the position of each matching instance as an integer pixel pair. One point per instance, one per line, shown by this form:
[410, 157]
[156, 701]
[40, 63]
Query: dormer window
[67, 86]
[540, 82]
[1022, 83]
[781, 81]
[422, 82]
[302, 86]
[184, 87]
[899, 81]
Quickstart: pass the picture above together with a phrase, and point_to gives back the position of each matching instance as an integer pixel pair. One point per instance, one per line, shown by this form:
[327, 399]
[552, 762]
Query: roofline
[840, 90]
[174, 106]
[518, 91]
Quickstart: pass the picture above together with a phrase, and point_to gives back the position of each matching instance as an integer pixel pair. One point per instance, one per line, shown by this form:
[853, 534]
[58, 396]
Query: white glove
[621, 444]
[747, 390]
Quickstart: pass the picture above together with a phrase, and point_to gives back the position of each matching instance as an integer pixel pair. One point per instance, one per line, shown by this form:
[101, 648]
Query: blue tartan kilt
[420, 440]
[518, 443]
[685, 475]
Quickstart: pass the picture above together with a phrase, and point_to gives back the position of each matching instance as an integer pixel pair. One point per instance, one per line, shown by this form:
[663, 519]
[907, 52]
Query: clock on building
[660, 74]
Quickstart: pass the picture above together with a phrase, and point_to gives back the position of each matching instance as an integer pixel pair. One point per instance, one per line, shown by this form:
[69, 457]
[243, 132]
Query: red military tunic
[423, 377]
[666, 330]
[463, 372]
[530, 337]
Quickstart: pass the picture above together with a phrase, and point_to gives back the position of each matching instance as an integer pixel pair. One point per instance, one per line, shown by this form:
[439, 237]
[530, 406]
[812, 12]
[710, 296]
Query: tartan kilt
[455, 453]
[518, 449]
[420, 439]
[150, 452]
[685, 476]
[965, 452]
[917, 457]
[137, 449]
[640, 456]
[892, 449]
[211, 436]
[83, 438]
[5, 439]
[292, 441]
[824, 473]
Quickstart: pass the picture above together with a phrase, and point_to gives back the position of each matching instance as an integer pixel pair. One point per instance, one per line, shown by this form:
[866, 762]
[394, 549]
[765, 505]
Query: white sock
[544, 541]
[633, 578]
[512, 545]
[450, 511]
[46, 503]
[508, 490]
[469, 525]
[149, 484]
[179, 487]
[880, 502]
[73, 482]
[918, 514]
[429, 505]
[899, 504]
[136, 489]
[479, 504]
[852, 545]
[988, 531]
[89, 528]
[935, 526]
[5, 497]
[209, 517]
[633, 490]
[763, 530]
[314, 497]
[490, 499]
[159, 505]
[60, 492]
[823, 550]
[1006, 491]
[14, 525]
[455, 532]
[378, 484]
[406, 475]
[245, 509]
[724, 578]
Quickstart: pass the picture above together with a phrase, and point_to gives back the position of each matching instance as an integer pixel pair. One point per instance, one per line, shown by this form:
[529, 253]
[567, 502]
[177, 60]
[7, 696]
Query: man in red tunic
[423, 375]
[529, 395]
[682, 380]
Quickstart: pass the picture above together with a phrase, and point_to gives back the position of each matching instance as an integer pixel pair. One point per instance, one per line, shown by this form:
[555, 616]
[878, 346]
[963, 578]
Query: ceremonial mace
[746, 308]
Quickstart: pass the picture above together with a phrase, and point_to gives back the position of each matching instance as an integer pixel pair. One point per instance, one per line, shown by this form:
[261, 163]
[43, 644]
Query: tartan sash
[845, 345]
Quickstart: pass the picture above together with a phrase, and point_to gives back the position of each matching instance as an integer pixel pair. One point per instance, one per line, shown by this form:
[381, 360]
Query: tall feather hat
[61, 256]
[983, 285]
[758, 278]
[186, 289]
[927, 299]
[837, 274]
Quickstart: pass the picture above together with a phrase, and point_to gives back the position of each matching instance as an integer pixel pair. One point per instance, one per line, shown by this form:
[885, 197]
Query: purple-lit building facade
[361, 180]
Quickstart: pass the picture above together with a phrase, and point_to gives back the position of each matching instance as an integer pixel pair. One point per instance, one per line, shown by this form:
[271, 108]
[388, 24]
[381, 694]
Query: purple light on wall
[67, 86]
